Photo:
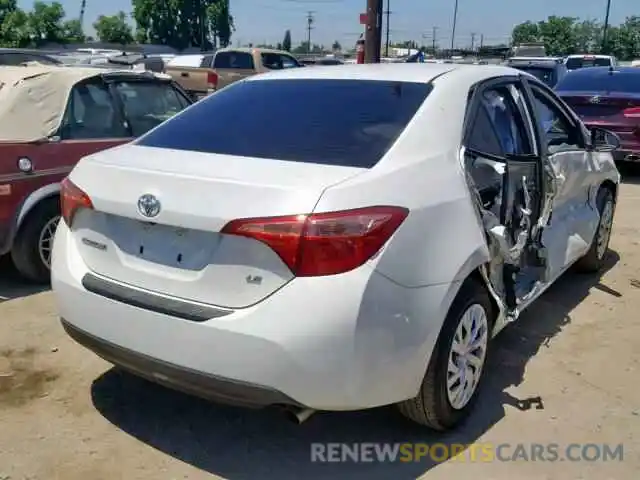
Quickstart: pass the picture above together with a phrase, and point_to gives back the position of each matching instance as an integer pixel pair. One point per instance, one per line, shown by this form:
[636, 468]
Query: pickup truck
[226, 66]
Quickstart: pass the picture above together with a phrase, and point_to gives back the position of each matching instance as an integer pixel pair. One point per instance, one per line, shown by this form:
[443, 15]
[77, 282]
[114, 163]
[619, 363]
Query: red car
[608, 98]
[51, 117]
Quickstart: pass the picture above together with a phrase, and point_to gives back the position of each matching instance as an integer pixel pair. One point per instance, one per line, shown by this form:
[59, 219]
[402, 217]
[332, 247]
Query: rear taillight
[323, 243]
[72, 199]
[633, 112]
[212, 80]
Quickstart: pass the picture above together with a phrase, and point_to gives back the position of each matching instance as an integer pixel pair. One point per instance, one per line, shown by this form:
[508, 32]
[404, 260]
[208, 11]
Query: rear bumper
[344, 342]
[179, 378]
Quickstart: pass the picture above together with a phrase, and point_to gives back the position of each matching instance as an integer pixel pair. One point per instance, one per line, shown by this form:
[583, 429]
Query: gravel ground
[65, 414]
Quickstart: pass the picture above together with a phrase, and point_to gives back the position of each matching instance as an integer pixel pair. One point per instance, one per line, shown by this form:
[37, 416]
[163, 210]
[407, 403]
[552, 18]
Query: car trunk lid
[181, 252]
[618, 112]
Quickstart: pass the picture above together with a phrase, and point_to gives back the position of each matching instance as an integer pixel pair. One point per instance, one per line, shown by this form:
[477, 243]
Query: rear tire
[436, 405]
[35, 236]
[593, 261]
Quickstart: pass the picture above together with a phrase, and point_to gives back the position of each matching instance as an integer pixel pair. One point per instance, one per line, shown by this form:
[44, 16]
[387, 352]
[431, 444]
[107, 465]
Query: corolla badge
[149, 205]
[595, 99]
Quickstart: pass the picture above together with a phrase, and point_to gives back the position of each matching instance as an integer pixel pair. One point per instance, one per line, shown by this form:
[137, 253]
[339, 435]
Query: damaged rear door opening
[513, 192]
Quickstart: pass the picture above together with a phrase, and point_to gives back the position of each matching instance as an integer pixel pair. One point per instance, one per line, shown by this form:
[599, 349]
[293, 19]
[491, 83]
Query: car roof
[397, 72]
[33, 98]
[588, 55]
[542, 63]
[534, 59]
[604, 71]
[252, 50]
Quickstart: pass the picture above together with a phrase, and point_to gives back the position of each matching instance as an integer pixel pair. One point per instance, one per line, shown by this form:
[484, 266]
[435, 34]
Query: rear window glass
[239, 60]
[332, 122]
[575, 63]
[546, 75]
[148, 104]
[601, 81]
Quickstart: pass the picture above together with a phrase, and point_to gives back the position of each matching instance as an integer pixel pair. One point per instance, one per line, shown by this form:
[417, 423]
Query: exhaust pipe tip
[298, 415]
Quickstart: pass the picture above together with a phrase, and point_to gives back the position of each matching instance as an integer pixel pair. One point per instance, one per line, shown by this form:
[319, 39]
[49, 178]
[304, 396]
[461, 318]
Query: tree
[558, 35]
[567, 35]
[527, 32]
[45, 23]
[624, 40]
[72, 31]
[588, 35]
[220, 21]
[183, 23]
[163, 22]
[15, 31]
[336, 47]
[286, 43]
[114, 29]
[304, 48]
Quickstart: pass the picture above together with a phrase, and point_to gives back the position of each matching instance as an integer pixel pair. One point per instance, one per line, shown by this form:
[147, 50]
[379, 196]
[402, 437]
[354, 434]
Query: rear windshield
[148, 104]
[333, 122]
[238, 60]
[546, 75]
[577, 62]
[601, 82]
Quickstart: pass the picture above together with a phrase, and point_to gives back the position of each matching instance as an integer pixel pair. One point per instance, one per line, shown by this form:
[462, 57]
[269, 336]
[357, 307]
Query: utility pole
[473, 41]
[373, 33]
[481, 40]
[453, 28]
[203, 34]
[388, 14]
[605, 29]
[434, 42]
[310, 21]
[83, 7]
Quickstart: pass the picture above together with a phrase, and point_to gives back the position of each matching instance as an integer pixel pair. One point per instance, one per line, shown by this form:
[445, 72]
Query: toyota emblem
[148, 205]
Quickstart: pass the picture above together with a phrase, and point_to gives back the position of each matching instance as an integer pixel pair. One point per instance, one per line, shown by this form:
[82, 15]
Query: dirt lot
[64, 414]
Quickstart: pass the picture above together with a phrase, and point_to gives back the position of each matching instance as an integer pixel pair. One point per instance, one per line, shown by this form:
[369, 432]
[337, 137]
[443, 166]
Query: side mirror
[603, 140]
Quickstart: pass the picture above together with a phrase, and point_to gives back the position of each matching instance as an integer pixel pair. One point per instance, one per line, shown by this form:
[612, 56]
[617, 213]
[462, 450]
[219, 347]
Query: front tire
[456, 369]
[31, 252]
[593, 261]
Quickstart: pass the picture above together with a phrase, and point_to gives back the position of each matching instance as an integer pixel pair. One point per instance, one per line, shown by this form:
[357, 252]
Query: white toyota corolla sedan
[333, 239]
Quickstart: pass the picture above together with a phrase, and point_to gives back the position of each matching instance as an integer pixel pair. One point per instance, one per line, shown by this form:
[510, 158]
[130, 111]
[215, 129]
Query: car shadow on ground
[630, 172]
[12, 285]
[246, 444]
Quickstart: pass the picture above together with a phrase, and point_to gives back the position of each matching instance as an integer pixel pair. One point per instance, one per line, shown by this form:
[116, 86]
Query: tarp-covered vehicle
[52, 116]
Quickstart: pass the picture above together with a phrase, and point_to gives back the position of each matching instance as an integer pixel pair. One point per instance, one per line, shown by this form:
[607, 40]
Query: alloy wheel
[467, 356]
[45, 241]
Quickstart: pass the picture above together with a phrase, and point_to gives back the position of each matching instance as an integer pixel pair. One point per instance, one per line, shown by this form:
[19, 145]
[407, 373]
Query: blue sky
[260, 21]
